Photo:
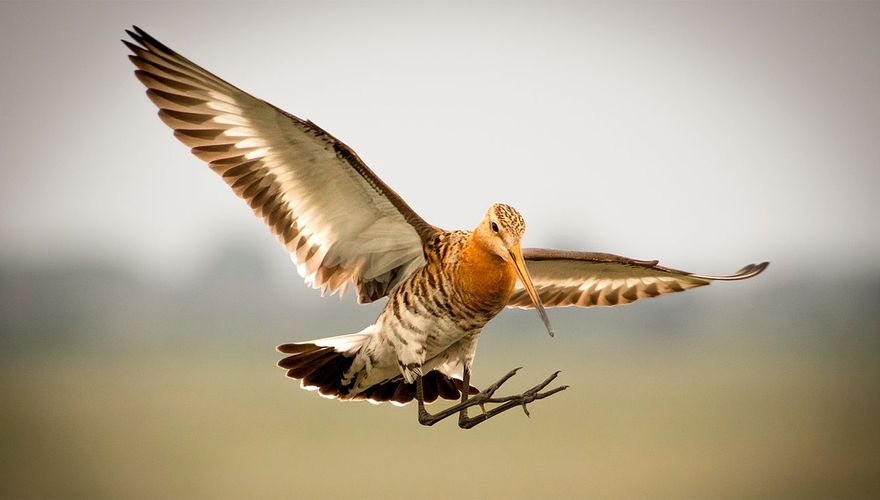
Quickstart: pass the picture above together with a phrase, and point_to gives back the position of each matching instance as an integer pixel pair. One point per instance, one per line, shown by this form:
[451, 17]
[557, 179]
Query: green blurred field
[113, 388]
[209, 422]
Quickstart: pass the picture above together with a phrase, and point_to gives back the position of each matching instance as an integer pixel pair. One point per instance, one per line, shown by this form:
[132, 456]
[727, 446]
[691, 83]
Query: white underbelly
[433, 340]
[436, 334]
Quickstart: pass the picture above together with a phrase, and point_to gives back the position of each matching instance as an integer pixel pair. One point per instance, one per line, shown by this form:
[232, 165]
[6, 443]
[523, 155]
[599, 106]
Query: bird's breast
[485, 280]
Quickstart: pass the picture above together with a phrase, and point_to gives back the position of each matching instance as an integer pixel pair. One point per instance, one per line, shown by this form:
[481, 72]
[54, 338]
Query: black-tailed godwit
[345, 228]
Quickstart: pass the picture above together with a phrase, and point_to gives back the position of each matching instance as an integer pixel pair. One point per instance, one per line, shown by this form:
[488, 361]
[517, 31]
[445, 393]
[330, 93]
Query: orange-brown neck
[485, 279]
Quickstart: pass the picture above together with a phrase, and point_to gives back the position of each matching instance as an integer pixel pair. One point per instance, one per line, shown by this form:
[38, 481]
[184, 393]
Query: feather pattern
[341, 224]
[584, 279]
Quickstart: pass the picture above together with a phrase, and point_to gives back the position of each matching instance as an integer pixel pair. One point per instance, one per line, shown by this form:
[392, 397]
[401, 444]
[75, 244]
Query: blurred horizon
[141, 302]
[127, 386]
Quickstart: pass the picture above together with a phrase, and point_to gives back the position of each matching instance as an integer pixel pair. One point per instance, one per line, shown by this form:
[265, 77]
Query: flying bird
[346, 229]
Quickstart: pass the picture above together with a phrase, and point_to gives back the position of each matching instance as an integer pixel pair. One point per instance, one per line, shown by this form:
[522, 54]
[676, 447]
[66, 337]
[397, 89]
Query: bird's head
[501, 231]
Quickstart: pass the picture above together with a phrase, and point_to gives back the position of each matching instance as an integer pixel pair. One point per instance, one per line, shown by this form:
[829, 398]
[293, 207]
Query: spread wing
[341, 224]
[585, 279]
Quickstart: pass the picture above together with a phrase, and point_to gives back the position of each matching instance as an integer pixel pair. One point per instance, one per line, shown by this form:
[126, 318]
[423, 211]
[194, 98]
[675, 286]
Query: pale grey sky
[706, 135]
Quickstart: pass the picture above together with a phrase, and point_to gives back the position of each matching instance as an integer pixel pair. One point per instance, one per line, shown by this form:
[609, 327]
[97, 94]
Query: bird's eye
[495, 227]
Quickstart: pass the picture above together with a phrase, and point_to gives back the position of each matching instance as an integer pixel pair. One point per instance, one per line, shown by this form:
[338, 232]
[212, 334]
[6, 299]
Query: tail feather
[318, 368]
[328, 378]
[321, 365]
[436, 385]
[302, 365]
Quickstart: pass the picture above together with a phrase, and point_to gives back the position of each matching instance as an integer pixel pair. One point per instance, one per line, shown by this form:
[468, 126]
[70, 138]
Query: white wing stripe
[568, 278]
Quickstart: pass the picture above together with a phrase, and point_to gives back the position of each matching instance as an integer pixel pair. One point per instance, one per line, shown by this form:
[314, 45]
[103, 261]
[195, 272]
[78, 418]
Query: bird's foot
[487, 396]
[507, 402]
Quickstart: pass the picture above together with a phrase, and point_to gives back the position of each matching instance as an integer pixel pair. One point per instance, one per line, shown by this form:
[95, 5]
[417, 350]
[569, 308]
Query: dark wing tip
[147, 42]
[748, 271]
[152, 40]
[751, 270]
[134, 36]
[132, 47]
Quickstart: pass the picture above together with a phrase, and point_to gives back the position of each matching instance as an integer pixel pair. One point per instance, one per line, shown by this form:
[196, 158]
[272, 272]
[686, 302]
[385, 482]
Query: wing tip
[753, 269]
[747, 271]
[147, 42]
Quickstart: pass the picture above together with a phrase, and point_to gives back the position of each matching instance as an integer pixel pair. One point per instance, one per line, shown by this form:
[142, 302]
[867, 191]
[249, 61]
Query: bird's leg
[465, 392]
[426, 418]
[483, 397]
[509, 402]
[480, 398]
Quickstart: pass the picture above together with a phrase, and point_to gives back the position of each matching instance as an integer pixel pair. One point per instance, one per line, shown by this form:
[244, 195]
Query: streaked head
[501, 230]
[504, 228]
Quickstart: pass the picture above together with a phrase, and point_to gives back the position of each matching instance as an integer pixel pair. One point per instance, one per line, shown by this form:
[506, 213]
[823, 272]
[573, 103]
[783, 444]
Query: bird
[346, 229]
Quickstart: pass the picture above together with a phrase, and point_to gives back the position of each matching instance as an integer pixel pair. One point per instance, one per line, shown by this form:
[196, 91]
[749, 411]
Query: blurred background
[140, 301]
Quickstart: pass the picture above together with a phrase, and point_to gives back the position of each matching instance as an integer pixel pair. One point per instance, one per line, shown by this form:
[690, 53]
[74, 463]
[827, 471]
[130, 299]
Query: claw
[497, 385]
[484, 397]
[551, 392]
[547, 381]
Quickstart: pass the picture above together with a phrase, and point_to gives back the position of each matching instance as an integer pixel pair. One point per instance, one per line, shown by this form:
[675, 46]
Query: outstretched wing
[586, 279]
[340, 222]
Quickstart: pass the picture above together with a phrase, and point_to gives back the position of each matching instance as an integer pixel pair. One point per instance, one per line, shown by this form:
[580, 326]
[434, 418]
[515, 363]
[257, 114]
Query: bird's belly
[434, 332]
[409, 337]
[446, 333]
[428, 319]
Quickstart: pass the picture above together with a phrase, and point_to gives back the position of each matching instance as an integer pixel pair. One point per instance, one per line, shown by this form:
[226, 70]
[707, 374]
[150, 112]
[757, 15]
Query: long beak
[523, 272]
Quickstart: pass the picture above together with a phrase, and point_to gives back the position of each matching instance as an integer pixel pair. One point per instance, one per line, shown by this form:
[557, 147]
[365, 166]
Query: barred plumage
[344, 227]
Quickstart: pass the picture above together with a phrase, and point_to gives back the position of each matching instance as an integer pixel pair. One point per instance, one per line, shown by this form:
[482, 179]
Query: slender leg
[486, 396]
[466, 384]
[425, 418]
[465, 393]
[509, 402]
